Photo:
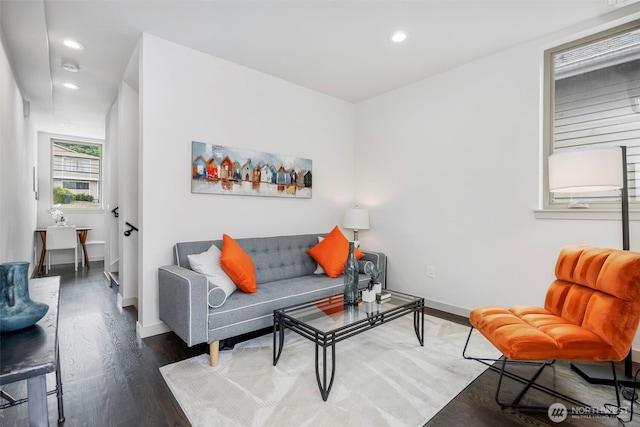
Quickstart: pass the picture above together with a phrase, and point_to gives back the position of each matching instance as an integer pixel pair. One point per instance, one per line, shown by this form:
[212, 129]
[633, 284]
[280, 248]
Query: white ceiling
[340, 48]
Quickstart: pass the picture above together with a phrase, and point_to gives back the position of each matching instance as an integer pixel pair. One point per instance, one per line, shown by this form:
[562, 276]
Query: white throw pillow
[220, 285]
[319, 269]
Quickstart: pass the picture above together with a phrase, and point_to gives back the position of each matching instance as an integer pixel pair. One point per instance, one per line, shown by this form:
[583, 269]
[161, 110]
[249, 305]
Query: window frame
[549, 114]
[96, 209]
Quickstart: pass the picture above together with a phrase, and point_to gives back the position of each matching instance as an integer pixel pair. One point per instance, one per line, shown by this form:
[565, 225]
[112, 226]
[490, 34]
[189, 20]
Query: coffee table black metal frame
[366, 316]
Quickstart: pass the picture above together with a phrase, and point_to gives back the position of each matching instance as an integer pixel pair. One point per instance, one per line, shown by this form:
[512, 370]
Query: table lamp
[356, 219]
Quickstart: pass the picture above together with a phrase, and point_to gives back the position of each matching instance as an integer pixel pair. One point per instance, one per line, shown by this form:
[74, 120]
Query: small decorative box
[368, 296]
[377, 288]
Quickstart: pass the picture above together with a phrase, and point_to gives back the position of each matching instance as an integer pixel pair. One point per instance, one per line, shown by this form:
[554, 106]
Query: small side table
[31, 353]
[82, 232]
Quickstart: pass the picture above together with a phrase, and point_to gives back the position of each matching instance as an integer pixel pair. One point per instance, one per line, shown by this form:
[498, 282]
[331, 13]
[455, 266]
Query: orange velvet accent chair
[591, 312]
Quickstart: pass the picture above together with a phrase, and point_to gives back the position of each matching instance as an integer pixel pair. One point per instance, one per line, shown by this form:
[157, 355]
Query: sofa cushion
[220, 285]
[362, 264]
[216, 296]
[257, 308]
[275, 258]
[282, 257]
[319, 269]
[238, 265]
[331, 253]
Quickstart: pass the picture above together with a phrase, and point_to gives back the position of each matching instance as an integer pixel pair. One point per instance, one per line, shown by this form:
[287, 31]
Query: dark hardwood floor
[111, 378]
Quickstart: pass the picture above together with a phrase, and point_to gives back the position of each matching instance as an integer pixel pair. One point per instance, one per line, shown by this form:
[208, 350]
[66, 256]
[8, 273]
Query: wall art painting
[217, 169]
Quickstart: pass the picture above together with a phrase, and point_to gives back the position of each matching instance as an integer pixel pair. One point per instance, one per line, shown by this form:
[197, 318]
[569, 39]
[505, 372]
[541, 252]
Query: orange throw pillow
[238, 265]
[332, 253]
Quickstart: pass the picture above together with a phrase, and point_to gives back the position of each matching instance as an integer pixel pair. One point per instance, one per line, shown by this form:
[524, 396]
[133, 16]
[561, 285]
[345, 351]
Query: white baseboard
[448, 308]
[126, 302]
[149, 331]
[107, 278]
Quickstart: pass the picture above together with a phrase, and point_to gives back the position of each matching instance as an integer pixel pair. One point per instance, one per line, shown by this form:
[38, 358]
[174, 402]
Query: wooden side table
[82, 236]
[31, 353]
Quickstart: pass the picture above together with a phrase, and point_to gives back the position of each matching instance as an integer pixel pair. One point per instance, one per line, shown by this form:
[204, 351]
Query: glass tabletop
[329, 314]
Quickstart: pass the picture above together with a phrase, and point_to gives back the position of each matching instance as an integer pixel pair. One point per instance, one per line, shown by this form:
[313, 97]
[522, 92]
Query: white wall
[18, 153]
[128, 193]
[110, 190]
[450, 168]
[188, 96]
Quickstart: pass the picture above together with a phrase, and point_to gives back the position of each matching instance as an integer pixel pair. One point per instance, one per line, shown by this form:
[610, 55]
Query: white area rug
[383, 378]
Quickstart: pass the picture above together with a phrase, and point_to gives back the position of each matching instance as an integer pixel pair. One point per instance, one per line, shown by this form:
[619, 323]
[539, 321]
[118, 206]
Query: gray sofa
[285, 277]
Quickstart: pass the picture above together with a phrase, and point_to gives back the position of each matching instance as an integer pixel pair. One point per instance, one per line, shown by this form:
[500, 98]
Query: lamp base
[602, 374]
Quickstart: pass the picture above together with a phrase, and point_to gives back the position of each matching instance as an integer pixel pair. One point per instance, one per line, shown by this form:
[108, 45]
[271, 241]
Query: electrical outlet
[431, 271]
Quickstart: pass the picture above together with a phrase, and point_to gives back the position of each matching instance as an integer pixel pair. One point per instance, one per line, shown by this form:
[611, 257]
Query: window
[76, 174]
[71, 164]
[75, 185]
[592, 99]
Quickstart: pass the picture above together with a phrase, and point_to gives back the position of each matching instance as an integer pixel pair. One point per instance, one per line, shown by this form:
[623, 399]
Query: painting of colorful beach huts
[217, 169]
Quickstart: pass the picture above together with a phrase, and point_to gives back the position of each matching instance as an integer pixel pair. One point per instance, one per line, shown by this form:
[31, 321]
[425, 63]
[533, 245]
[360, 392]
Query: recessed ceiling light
[71, 68]
[71, 86]
[74, 44]
[399, 36]
[67, 125]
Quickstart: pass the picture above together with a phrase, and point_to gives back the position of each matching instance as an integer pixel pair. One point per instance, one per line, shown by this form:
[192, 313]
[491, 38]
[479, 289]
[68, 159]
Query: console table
[82, 235]
[31, 353]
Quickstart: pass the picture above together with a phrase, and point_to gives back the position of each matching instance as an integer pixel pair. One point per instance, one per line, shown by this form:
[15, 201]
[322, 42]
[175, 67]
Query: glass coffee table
[328, 321]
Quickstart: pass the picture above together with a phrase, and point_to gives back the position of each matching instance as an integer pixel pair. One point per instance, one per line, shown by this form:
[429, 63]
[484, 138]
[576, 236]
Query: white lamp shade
[356, 219]
[581, 171]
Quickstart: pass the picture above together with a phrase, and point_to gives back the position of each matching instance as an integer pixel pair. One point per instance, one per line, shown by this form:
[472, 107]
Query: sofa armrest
[183, 306]
[379, 259]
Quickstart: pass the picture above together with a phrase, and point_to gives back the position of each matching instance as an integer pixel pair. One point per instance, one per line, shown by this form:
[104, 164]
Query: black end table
[31, 353]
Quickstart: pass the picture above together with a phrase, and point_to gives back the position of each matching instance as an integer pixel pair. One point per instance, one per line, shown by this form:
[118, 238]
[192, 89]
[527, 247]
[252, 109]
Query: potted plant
[372, 270]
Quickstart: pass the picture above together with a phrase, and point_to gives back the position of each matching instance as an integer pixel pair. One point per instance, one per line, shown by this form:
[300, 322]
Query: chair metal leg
[632, 400]
[530, 383]
[478, 359]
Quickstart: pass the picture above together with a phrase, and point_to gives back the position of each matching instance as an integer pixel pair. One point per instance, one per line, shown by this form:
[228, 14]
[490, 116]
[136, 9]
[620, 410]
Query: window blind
[600, 108]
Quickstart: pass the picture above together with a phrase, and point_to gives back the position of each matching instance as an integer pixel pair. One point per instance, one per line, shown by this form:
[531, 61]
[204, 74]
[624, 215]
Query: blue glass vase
[17, 310]
[351, 273]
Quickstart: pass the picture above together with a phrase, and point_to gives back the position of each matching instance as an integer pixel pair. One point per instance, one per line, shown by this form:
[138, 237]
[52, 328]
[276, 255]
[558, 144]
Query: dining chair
[61, 238]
